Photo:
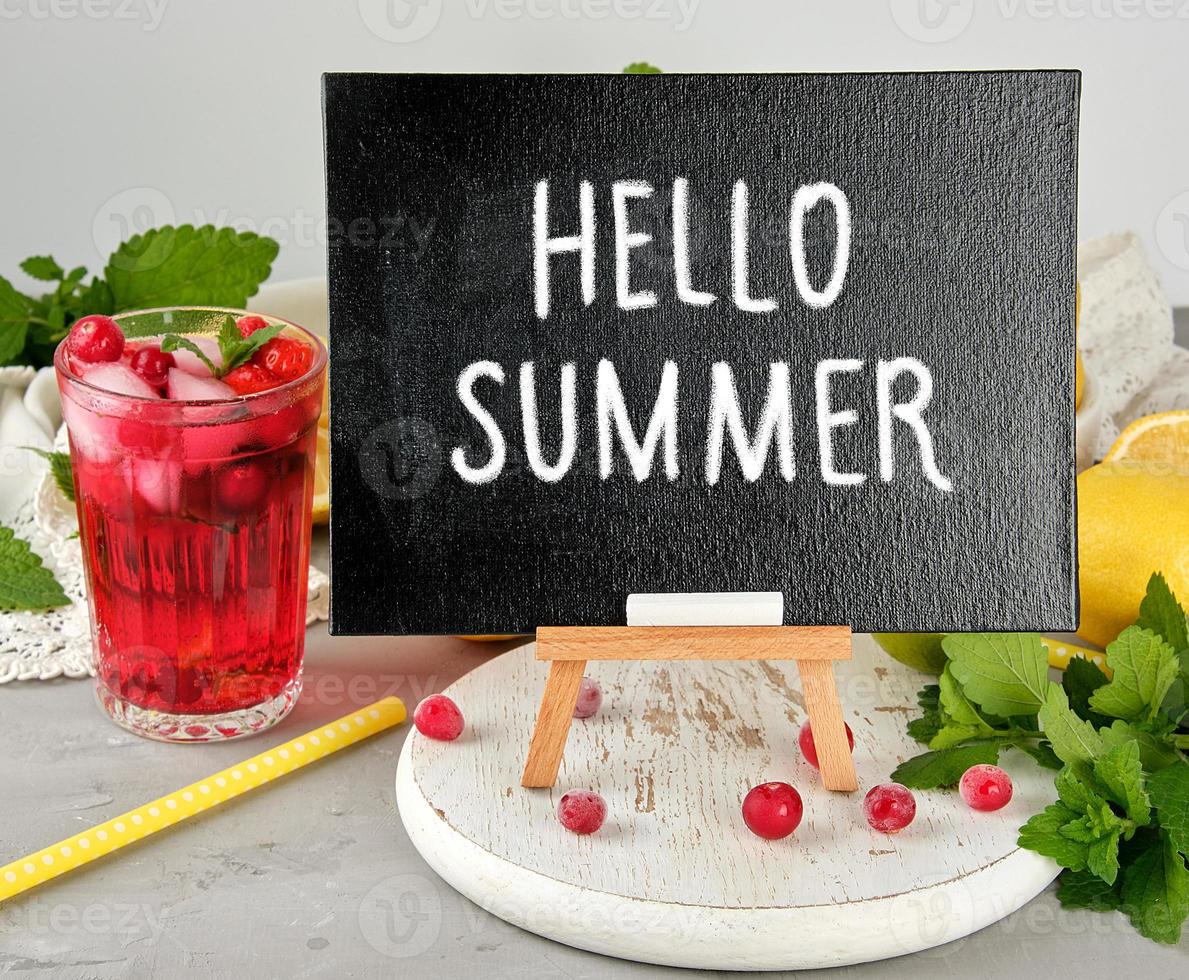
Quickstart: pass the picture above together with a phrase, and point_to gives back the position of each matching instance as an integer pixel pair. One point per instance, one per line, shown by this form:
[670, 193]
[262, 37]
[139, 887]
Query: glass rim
[316, 368]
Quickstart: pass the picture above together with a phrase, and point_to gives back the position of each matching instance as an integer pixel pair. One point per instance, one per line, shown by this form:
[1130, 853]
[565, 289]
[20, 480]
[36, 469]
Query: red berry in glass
[438, 717]
[809, 749]
[985, 787]
[581, 811]
[248, 379]
[590, 698]
[195, 532]
[889, 807]
[250, 324]
[152, 364]
[772, 810]
[95, 338]
[284, 358]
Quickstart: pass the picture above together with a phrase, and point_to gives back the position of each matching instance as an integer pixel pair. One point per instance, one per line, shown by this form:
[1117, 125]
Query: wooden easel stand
[814, 648]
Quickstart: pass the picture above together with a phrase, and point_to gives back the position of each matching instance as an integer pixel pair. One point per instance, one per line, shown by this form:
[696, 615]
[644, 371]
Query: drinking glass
[194, 520]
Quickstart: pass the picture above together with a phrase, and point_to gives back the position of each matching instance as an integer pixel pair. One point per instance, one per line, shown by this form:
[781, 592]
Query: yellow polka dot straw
[188, 801]
[1061, 652]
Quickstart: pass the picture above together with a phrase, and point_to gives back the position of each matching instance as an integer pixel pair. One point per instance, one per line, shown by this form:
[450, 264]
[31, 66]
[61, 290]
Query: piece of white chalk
[705, 609]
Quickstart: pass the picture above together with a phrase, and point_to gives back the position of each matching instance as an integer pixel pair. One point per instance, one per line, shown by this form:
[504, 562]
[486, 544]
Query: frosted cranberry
[809, 750]
[285, 357]
[152, 364]
[438, 717]
[241, 486]
[247, 379]
[889, 807]
[96, 338]
[250, 324]
[985, 787]
[581, 811]
[772, 810]
[590, 698]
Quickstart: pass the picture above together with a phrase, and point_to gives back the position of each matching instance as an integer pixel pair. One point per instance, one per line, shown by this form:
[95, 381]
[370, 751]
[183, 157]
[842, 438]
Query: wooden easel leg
[829, 729]
[553, 722]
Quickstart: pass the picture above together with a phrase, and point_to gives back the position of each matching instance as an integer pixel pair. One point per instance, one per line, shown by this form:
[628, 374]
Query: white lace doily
[1126, 336]
[57, 643]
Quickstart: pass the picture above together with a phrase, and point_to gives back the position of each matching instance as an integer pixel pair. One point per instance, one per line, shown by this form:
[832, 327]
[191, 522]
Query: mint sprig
[1120, 825]
[60, 469]
[167, 266]
[25, 583]
[234, 349]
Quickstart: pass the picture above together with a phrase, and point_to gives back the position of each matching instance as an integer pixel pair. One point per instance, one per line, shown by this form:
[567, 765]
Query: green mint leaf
[1156, 892]
[1085, 890]
[1143, 669]
[60, 468]
[236, 350]
[14, 322]
[642, 68]
[1004, 673]
[25, 583]
[42, 267]
[944, 767]
[96, 297]
[1081, 679]
[1155, 753]
[189, 266]
[1160, 612]
[1073, 739]
[171, 342]
[1042, 752]
[930, 723]
[1122, 775]
[1042, 834]
[1169, 792]
[960, 720]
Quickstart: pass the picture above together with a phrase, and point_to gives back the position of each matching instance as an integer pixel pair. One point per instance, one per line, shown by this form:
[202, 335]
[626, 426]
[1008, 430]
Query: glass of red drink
[194, 490]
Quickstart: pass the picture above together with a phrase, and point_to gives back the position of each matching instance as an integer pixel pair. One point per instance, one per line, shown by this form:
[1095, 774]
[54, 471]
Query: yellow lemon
[919, 650]
[1079, 380]
[1161, 441]
[1133, 520]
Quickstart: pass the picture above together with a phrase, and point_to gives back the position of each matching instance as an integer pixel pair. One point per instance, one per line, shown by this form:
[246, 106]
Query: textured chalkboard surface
[955, 206]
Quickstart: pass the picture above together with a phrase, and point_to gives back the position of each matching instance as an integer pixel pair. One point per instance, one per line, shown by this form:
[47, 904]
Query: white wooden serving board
[674, 877]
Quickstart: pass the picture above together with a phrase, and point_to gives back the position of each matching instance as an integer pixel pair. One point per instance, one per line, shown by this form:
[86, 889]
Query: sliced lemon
[1162, 439]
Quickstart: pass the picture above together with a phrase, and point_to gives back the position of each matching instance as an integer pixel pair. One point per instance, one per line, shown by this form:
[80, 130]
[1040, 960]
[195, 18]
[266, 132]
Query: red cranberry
[241, 486]
[889, 807]
[95, 338]
[590, 698]
[772, 810]
[152, 364]
[250, 324]
[809, 750]
[581, 811]
[247, 379]
[438, 717]
[285, 357]
[985, 787]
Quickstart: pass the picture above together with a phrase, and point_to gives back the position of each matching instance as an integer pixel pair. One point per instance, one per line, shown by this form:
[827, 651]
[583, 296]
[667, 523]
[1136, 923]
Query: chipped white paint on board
[674, 877]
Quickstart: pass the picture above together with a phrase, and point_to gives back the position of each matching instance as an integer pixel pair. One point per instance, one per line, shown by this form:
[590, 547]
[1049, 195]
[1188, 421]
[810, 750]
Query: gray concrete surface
[314, 876]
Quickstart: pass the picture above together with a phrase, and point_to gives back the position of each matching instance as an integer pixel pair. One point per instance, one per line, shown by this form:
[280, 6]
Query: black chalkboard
[872, 273]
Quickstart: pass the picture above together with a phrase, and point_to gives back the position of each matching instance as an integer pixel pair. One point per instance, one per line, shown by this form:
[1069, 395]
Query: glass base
[166, 727]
